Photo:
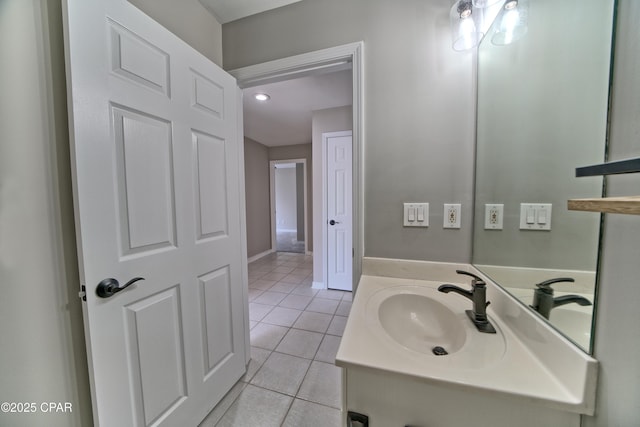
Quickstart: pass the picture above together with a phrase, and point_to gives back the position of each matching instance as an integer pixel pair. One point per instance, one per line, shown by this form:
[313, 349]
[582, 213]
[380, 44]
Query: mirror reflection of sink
[421, 323]
[575, 324]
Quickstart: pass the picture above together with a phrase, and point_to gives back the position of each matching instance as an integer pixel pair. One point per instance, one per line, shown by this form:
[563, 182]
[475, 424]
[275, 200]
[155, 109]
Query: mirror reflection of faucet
[477, 294]
[544, 301]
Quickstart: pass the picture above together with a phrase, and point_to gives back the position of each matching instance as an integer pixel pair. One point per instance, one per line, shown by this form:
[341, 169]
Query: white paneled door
[156, 164]
[339, 210]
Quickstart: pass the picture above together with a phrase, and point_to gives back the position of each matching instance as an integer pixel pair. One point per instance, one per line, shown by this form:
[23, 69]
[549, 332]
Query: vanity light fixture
[512, 22]
[466, 25]
[484, 3]
[262, 97]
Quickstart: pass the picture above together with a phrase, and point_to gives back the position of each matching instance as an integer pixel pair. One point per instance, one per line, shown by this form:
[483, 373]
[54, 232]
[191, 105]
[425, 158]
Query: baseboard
[318, 285]
[260, 255]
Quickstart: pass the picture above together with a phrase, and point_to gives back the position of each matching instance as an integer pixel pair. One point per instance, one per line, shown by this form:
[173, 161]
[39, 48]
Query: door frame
[307, 63]
[272, 200]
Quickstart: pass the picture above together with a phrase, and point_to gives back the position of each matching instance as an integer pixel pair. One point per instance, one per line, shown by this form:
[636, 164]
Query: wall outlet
[416, 215]
[452, 212]
[493, 216]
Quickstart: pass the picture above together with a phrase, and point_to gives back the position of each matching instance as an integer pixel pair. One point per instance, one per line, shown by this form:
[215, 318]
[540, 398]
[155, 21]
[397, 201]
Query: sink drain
[439, 351]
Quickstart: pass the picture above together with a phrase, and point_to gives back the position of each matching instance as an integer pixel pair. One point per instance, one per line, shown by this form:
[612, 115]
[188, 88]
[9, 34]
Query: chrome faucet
[543, 300]
[477, 294]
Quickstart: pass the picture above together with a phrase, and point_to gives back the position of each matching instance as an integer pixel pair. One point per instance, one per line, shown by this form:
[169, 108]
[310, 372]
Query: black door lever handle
[109, 287]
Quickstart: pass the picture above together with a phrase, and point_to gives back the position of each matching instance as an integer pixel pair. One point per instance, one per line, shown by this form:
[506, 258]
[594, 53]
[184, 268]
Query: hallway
[295, 334]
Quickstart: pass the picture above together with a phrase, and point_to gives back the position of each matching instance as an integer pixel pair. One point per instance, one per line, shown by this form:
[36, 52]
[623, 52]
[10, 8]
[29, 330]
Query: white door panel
[339, 211]
[156, 185]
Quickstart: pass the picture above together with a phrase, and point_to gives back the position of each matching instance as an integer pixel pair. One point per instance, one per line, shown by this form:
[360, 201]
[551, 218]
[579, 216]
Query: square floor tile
[300, 343]
[344, 308]
[282, 316]
[214, 416]
[258, 357]
[322, 305]
[330, 294]
[273, 276]
[348, 296]
[262, 284]
[305, 290]
[253, 275]
[283, 287]
[282, 373]
[281, 269]
[309, 414]
[337, 325]
[267, 336]
[311, 321]
[271, 298]
[328, 349]
[322, 384]
[258, 311]
[256, 407]
[253, 293]
[299, 302]
[292, 278]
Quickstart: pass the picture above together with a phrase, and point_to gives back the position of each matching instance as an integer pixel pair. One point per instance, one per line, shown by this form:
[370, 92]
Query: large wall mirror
[542, 112]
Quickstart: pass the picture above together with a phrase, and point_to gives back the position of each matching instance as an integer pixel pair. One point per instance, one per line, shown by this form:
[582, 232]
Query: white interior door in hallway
[339, 222]
[156, 165]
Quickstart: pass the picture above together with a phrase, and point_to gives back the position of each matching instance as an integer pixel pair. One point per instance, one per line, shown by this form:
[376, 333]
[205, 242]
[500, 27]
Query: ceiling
[230, 10]
[285, 119]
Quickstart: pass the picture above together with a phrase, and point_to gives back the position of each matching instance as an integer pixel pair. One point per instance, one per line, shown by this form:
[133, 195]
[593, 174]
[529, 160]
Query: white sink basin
[421, 323]
[412, 320]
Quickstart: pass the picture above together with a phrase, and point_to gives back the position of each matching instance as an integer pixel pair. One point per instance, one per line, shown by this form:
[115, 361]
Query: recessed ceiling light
[262, 97]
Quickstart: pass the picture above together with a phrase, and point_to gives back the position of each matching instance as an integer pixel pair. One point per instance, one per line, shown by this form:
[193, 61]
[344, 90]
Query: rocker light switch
[535, 216]
[412, 214]
[416, 214]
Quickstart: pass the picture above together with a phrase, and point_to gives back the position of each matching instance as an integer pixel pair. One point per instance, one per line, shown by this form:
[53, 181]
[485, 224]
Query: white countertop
[503, 363]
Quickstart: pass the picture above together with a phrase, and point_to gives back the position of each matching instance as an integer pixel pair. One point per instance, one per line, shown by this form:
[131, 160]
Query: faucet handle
[476, 280]
[546, 285]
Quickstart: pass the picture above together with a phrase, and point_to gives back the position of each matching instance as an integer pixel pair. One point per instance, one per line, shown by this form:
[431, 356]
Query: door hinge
[83, 293]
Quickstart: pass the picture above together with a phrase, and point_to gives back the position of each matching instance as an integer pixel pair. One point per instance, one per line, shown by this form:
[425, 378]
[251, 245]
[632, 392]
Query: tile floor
[291, 380]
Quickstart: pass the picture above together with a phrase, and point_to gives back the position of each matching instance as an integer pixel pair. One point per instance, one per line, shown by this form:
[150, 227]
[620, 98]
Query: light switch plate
[416, 215]
[451, 215]
[535, 216]
[493, 216]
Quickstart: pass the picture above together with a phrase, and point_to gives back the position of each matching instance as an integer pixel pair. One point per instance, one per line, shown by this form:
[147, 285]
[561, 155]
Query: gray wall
[617, 346]
[256, 167]
[190, 21]
[43, 357]
[418, 112]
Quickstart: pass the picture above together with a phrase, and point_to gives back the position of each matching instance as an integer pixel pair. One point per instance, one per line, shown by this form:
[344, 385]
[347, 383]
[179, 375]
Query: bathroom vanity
[412, 357]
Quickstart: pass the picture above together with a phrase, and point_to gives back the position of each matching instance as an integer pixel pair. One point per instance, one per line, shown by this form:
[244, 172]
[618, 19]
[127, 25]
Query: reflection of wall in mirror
[542, 112]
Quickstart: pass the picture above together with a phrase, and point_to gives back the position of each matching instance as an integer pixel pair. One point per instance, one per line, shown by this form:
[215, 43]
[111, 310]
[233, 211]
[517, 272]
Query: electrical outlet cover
[451, 216]
[493, 216]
